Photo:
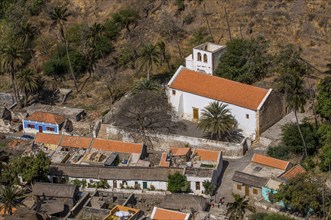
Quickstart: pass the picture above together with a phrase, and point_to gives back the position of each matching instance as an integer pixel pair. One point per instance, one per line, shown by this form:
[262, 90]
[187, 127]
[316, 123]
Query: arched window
[199, 56]
[205, 59]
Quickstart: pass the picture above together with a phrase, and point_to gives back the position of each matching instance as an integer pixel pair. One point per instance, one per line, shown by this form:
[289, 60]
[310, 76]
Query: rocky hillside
[305, 23]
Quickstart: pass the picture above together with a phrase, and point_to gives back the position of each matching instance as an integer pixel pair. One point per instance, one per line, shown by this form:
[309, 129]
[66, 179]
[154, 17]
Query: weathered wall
[163, 142]
[271, 111]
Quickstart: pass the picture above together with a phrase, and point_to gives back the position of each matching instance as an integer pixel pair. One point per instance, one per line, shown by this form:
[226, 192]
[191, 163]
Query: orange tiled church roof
[219, 89]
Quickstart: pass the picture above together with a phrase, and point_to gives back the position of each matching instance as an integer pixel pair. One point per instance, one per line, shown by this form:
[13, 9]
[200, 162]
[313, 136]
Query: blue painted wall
[265, 195]
[38, 124]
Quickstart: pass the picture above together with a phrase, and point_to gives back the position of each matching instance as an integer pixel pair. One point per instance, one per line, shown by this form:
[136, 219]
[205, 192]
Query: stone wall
[272, 111]
[163, 142]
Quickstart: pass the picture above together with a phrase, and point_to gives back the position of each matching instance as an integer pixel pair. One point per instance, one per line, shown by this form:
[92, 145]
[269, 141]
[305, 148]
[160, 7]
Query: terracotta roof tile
[117, 146]
[46, 118]
[291, 173]
[270, 161]
[75, 141]
[165, 214]
[43, 138]
[208, 155]
[180, 151]
[163, 161]
[219, 89]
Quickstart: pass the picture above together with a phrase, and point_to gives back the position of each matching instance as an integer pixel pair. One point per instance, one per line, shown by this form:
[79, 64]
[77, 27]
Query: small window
[173, 92]
[247, 116]
[30, 126]
[49, 129]
[197, 185]
[199, 56]
[238, 187]
[205, 59]
[255, 191]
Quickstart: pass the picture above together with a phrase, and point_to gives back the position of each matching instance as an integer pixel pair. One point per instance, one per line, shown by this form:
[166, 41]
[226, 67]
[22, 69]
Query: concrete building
[205, 57]
[256, 175]
[43, 122]
[153, 178]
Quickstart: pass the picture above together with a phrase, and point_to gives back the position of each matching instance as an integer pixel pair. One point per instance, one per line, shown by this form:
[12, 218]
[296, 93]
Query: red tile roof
[75, 141]
[180, 151]
[291, 173]
[43, 138]
[270, 161]
[219, 89]
[207, 155]
[117, 146]
[163, 161]
[165, 214]
[46, 118]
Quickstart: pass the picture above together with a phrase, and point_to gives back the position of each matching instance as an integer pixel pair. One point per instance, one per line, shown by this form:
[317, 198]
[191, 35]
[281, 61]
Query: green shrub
[177, 183]
[280, 152]
[180, 5]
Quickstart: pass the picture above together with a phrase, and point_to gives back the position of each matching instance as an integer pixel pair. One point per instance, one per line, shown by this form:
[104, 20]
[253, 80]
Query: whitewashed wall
[184, 103]
[193, 180]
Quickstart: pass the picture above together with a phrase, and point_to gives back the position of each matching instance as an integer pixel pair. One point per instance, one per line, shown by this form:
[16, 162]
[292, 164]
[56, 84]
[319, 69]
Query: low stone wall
[163, 142]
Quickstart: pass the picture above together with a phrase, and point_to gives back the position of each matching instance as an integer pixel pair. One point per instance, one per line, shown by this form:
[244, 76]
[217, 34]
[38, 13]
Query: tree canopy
[304, 194]
[245, 60]
[324, 99]
[177, 183]
[30, 168]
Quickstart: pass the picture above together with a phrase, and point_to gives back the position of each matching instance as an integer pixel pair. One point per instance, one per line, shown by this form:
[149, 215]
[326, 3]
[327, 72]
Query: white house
[153, 178]
[205, 57]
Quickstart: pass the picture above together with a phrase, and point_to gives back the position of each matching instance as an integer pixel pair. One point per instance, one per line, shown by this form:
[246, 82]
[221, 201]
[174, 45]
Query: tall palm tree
[149, 56]
[295, 97]
[217, 120]
[12, 58]
[10, 197]
[28, 82]
[165, 57]
[59, 17]
[237, 209]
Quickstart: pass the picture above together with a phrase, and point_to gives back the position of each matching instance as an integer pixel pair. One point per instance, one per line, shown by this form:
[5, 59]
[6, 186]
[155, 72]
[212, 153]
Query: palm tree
[12, 58]
[165, 57]
[295, 97]
[148, 57]
[26, 33]
[217, 120]
[28, 82]
[146, 85]
[237, 209]
[10, 198]
[59, 16]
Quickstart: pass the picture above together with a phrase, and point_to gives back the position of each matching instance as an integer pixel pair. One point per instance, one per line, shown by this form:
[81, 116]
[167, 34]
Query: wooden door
[195, 113]
[246, 190]
[144, 185]
[40, 129]
[114, 184]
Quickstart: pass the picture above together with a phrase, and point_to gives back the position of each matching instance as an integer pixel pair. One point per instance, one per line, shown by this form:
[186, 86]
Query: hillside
[305, 24]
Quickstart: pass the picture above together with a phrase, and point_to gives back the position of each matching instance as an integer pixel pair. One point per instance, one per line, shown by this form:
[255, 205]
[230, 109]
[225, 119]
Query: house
[262, 170]
[162, 214]
[184, 202]
[194, 87]
[74, 114]
[43, 122]
[55, 199]
[153, 178]
[123, 212]
[205, 166]
[95, 151]
[205, 57]
[246, 184]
